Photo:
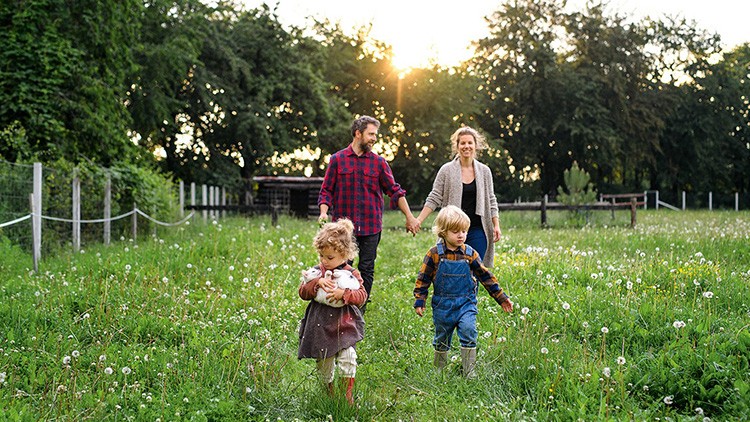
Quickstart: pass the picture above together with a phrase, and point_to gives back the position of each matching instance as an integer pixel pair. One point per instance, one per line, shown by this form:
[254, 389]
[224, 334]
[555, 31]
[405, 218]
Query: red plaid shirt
[353, 188]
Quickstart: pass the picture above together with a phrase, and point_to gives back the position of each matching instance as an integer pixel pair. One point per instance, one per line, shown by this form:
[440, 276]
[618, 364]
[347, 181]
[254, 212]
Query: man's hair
[361, 123]
[450, 218]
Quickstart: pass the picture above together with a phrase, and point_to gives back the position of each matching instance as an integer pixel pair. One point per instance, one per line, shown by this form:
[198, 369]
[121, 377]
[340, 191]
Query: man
[353, 188]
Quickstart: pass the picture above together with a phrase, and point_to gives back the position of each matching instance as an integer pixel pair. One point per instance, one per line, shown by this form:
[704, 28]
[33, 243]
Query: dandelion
[76, 354]
[487, 334]
[102, 358]
[621, 360]
[708, 295]
[566, 305]
[189, 265]
[108, 370]
[524, 310]
[544, 350]
[127, 267]
[594, 276]
[257, 284]
[186, 400]
[678, 324]
[699, 411]
[605, 330]
[668, 400]
[2, 378]
[126, 370]
[589, 288]
[629, 285]
[607, 372]
[66, 360]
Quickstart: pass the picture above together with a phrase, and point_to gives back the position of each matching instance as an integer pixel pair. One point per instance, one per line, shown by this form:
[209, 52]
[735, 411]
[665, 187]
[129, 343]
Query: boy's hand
[507, 306]
[419, 311]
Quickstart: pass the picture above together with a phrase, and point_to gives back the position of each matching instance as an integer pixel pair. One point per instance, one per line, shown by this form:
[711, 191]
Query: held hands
[412, 225]
[419, 311]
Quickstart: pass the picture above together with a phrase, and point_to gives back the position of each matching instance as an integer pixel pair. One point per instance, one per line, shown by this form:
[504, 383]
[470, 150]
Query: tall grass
[200, 323]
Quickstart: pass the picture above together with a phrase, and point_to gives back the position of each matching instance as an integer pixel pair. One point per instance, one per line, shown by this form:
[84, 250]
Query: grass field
[200, 323]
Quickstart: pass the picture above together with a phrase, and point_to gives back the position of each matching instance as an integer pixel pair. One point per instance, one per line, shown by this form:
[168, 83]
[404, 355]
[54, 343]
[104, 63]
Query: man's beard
[366, 146]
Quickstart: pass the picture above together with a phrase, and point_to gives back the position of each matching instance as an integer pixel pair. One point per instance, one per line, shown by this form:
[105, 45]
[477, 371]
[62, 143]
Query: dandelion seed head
[108, 370]
[566, 305]
[607, 372]
[668, 400]
[126, 370]
[621, 360]
[605, 330]
[524, 310]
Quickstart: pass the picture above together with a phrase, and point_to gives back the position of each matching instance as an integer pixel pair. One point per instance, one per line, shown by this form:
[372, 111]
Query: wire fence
[43, 209]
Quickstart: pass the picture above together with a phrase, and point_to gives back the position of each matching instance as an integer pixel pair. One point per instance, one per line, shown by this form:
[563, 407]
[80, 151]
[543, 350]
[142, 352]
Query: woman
[467, 184]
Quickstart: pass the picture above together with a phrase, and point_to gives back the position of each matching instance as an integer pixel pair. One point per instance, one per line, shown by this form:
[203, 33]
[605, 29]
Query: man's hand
[322, 218]
[419, 311]
[412, 225]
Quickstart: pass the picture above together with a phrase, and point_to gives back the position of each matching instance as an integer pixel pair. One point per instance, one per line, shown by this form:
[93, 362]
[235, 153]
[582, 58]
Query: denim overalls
[454, 302]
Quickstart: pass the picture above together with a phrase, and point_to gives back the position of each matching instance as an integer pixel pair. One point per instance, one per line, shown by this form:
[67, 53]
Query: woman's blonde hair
[479, 140]
[338, 236]
[450, 218]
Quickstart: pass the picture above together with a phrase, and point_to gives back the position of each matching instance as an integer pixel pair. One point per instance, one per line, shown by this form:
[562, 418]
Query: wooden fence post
[108, 210]
[736, 201]
[135, 222]
[76, 211]
[35, 247]
[36, 219]
[683, 200]
[182, 199]
[211, 203]
[223, 202]
[632, 212]
[204, 197]
[710, 201]
[192, 196]
[544, 211]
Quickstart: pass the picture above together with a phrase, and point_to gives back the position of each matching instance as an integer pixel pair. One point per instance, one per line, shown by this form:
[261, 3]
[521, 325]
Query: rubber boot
[441, 359]
[468, 361]
[349, 382]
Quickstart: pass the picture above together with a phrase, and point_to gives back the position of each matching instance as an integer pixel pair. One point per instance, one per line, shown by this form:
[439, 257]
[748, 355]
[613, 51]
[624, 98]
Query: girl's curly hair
[339, 236]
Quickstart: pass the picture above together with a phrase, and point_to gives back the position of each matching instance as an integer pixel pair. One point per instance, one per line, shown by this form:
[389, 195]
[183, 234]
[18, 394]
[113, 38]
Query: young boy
[449, 266]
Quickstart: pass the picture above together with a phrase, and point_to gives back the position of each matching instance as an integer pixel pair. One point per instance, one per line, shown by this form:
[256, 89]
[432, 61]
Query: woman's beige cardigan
[448, 188]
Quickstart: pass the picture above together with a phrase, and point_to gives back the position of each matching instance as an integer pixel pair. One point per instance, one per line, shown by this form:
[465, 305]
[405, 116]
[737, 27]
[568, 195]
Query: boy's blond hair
[339, 236]
[450, 218]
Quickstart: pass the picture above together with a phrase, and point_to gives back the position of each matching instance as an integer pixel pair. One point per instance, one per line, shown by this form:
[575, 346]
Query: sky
[441, 31]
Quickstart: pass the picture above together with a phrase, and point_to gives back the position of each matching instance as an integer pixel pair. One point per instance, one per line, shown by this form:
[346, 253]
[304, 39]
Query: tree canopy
[214, 93]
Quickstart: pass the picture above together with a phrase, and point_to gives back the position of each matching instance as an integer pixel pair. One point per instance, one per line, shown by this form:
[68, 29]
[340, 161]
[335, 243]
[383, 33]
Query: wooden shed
[295, 195]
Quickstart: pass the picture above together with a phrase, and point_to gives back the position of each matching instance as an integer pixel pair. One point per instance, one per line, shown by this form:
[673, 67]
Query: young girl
[328, 334]
[449, 267]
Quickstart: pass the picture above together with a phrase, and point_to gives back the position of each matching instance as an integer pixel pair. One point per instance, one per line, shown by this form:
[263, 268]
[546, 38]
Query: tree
[63, 75]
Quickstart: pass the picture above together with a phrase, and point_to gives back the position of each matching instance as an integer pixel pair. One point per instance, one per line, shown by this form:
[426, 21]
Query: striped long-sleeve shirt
[353, 188]
[428, 270]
